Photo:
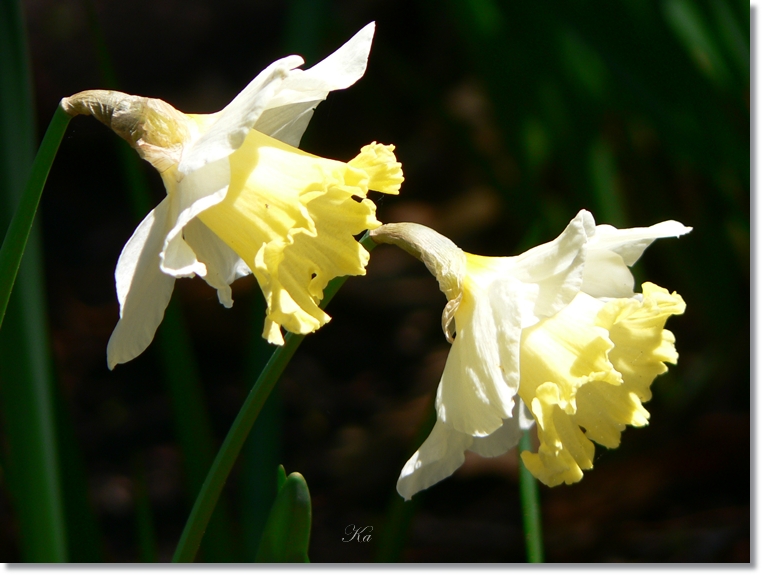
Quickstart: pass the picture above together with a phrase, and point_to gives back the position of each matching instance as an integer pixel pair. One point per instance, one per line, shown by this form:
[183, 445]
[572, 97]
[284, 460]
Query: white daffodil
[560, 326]
[242, 198]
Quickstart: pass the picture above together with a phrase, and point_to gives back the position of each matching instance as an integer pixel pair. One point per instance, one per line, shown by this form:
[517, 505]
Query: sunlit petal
[142, 289]
[480, 377]
[602, 390]
[437, 458]
[292, 218]
[558, 325]
[241, 198]
[223, 265]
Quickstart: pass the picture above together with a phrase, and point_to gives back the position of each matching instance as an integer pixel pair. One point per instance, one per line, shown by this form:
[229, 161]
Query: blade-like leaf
[27, 392]
[287, 533]
[281, 479]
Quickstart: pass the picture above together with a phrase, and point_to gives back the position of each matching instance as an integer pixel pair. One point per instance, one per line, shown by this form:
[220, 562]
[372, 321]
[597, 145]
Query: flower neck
[154, 128]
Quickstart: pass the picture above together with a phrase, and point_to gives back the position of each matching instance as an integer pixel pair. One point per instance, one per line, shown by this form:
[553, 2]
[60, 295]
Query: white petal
[443, 452]
[347, 64]
[555, 268]
[606, 275]
[289, 111]
[196, 192]
[223, 266]
[507, 436]
[630, 243]
[287, 123]
[179, 260]
[280, 85]
[336, 72]
[610, 252]
[526, 420]
[481, 375]
[439, 456]
[233, 123]
[142, 289]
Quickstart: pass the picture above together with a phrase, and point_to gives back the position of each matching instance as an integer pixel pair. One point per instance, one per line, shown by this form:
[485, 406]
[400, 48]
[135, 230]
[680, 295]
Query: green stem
[262, 452]
[231, 447]
[239, 431]
[530, 506]
[17, 235]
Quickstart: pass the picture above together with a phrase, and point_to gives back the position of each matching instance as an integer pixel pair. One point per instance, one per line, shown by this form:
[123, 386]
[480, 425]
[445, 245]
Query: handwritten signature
[356, 533]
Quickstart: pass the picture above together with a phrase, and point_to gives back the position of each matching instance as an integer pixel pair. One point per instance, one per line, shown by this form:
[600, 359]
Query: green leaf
[19, 230]
[287, 533]
[281, 477]
[26, 376]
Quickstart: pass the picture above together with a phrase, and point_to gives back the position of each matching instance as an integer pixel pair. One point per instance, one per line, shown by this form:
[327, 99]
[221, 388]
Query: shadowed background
[508, 118]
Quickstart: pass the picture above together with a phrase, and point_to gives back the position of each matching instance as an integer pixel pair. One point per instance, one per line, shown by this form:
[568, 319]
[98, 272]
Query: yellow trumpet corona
[555, 336]
[243, 199]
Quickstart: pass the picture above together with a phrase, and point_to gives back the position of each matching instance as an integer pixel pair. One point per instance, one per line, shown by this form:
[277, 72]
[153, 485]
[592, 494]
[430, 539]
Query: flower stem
[239, 431]
[231, 447]
[530, 507]
[17, 235]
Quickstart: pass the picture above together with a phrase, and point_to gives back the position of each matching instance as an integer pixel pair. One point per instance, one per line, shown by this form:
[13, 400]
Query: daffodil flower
[242, 198]
[561, 327]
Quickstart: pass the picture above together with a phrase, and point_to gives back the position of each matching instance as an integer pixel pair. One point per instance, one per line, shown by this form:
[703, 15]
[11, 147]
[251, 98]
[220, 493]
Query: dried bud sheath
[151, 126]
[445, 261]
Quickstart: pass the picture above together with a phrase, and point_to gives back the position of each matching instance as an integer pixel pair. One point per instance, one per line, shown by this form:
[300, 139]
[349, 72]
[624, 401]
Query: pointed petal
[289, 112]
[526, 420]
[233, 123]
[630, 243]
[610, 252]
[443, 452]
[223, 266]
[142, 289]
[439, 456]
[280, 100]
[336, 72]
[347, 64]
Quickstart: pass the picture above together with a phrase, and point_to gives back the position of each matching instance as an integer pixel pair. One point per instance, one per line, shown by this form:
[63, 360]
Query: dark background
[508, 118]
